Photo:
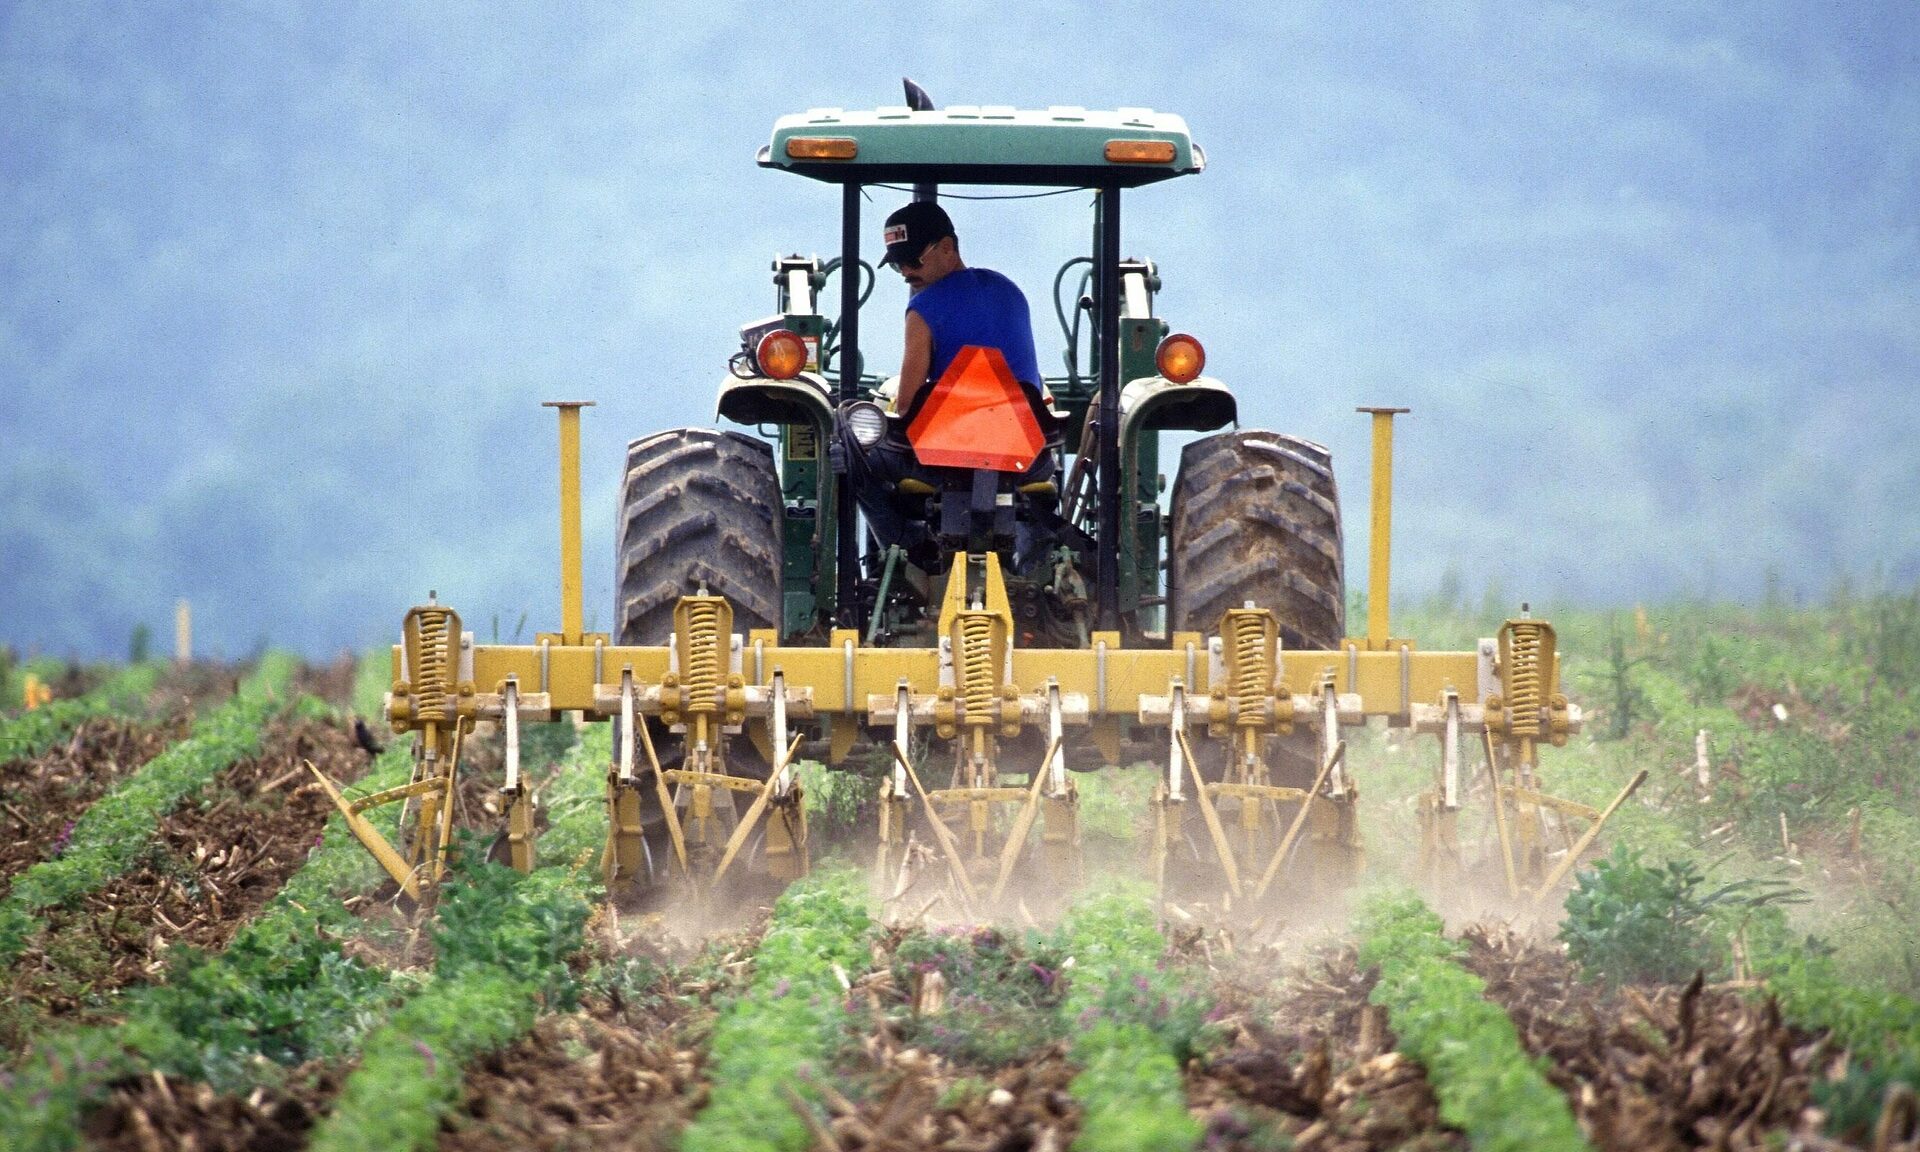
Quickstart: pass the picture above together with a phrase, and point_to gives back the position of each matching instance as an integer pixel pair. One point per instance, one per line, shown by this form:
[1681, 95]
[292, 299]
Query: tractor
[1061, 624]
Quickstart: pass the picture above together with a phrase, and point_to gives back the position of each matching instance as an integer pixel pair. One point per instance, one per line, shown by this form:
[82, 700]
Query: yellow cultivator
[1010, 721]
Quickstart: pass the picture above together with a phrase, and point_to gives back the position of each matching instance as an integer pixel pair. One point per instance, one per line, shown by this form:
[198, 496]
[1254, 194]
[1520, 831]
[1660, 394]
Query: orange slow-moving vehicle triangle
[977, 416]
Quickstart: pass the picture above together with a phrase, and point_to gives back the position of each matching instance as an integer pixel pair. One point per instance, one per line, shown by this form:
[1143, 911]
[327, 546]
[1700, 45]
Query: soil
[209, 869]
[1306, 1062]
[1660, 1069]
[158, 1111]
[625, 1071]
[919, 1102]
[1317, 1066]
[41, 797]
[613, 1076]
[903, 1097]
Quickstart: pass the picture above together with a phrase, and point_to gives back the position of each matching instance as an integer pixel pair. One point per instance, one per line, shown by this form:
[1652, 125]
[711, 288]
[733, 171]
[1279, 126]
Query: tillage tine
[1299, 820]
[445, 832]
[1500, 815]
[1218, 833]
[666, 799]
[1023, 824]
[368, 835]
[940, 833]
[759, 805]
[1587, 838]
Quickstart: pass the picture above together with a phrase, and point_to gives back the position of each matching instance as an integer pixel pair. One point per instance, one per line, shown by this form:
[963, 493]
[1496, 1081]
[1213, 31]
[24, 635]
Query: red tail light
[782, 354]
[1180, 358]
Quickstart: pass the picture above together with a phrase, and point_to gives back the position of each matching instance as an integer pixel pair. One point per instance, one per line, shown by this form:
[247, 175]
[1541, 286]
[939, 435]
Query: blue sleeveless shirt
[978, 306]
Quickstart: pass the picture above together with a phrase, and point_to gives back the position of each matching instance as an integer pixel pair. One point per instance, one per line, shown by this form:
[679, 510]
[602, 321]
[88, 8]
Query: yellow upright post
[182, 632]
[1379, 545]
[572, 626]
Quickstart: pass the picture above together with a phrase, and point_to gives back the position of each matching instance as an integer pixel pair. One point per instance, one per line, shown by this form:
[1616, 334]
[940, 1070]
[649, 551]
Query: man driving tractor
[950, 307]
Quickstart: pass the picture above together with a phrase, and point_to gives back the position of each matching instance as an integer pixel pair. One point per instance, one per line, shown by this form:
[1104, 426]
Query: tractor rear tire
[1256, 517]
[699, 508]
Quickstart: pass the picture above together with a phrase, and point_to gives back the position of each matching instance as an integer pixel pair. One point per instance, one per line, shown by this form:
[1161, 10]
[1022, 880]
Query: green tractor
[769, 523]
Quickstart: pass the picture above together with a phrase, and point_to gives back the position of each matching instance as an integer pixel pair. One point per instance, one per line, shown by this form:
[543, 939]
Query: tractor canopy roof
[965, 144]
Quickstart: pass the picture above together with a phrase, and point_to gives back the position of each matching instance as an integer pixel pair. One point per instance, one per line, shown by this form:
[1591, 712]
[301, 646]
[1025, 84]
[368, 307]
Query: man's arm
[914, 363]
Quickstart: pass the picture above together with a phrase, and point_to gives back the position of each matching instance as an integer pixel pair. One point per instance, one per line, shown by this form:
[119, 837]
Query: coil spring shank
[1250, 680]
[979, 682]
[700, 673]
[1525, 676]
[433, 671]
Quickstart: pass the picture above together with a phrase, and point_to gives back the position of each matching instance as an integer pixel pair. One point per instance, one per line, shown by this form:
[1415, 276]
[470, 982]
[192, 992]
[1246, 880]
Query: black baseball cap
[910, 229]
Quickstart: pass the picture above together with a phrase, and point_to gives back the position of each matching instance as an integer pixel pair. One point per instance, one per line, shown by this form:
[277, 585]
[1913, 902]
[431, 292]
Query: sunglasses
[913, 265]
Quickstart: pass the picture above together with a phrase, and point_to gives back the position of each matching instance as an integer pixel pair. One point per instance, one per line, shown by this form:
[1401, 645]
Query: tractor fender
[805, 399]
[1157, 404]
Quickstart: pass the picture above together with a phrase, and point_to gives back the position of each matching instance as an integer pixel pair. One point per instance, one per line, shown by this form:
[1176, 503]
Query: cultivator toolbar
[712, 715]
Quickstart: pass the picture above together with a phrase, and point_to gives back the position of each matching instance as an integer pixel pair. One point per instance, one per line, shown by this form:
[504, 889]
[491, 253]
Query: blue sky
[283, 290]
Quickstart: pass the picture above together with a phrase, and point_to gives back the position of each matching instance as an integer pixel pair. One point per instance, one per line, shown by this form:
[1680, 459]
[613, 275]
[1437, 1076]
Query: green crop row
[31, 733]
[281, 992]
[113, 833]
[787, 1020]
[1812, 991]
[502, 942]
[1486, 1084]
[1881, 1028]
[1134, 1026]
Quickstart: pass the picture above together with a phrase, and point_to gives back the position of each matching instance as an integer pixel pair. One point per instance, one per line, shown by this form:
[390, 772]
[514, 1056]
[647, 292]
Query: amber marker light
[822, 147]
[1180, 358]
[1140, 151]
[782, 354]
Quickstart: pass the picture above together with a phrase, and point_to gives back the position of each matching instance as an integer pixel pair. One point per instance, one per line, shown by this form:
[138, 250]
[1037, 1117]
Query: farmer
[950, 307]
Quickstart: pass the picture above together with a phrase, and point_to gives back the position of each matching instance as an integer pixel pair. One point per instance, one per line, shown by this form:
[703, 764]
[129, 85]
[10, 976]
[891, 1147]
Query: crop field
[198, 955]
